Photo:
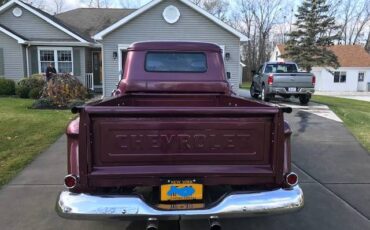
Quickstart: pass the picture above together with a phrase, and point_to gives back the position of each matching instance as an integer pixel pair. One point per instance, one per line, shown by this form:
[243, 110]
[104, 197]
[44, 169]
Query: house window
[340, 77]
[60, 58]
[361, 76]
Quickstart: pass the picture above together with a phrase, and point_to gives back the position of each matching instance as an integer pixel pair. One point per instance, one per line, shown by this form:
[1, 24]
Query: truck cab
[174, 143]
[169, 67]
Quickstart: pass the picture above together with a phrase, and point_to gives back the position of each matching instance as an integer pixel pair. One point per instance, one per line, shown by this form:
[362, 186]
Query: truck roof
[281, 62]
[174, 45]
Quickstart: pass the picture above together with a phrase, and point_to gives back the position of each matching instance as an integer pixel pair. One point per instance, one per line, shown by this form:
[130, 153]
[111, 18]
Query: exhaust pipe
[214, 223]
[152, 224]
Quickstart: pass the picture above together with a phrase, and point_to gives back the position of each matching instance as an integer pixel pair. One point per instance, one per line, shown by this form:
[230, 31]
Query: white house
[353, 75]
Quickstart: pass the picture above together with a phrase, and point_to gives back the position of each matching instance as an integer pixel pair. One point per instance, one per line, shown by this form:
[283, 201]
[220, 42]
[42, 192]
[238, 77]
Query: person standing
[50, 71]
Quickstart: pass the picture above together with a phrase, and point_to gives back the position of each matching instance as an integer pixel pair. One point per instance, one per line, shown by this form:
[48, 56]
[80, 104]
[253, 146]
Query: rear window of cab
[176, 62]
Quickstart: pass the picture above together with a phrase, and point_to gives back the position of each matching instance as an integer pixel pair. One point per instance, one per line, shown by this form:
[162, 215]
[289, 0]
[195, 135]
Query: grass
[354, 113]
[25, 133]
[246, 85]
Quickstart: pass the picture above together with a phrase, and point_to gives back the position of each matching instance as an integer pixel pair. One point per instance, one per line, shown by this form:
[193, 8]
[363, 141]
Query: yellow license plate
[182, 190]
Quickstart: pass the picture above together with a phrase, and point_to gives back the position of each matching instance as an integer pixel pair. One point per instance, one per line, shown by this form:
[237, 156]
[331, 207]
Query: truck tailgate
[299, 80]
[141, 145]
[180, 141]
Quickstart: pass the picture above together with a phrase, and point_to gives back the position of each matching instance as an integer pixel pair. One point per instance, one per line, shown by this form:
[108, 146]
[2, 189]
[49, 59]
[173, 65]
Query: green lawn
[25, 133]
[355, 115]
[246, 85]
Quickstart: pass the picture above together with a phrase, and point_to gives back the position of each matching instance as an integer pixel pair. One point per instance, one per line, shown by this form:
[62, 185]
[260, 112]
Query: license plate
[292, 89]
[181, 190]
[188, 206]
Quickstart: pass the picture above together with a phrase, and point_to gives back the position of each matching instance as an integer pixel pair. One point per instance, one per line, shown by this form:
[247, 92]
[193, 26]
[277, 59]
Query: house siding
[12, 58]
[325, 80]
[150, 25]
[32, 27]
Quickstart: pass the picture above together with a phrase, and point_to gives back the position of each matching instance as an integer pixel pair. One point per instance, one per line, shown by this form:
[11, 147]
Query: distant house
[353, 75]
[92, 43]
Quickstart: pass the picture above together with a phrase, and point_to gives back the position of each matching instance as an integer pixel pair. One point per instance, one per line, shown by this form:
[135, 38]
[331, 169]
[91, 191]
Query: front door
[97, 68]
[361, 85]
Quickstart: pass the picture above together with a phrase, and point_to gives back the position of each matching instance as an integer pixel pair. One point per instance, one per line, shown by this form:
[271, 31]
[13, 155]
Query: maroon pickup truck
[174, 142]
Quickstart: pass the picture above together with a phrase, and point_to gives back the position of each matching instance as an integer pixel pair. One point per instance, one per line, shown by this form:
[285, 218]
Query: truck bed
[141, 139]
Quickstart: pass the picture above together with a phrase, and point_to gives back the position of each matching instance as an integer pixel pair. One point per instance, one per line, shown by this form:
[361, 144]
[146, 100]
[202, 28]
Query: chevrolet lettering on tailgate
[182, 142]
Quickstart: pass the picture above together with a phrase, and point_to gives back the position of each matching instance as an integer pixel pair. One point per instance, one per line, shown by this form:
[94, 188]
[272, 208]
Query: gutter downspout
[103, 71]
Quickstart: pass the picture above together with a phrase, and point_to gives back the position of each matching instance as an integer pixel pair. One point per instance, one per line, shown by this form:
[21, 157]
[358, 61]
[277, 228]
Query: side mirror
[228, 75]
[254, 72]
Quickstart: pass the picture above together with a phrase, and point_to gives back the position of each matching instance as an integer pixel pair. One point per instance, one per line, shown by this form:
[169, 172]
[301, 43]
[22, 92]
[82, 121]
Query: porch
[93, 78]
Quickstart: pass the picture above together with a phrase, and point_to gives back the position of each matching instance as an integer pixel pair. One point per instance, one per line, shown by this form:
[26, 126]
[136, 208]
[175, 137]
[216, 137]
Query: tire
[264, 95]
[304, 99]
[253, 92]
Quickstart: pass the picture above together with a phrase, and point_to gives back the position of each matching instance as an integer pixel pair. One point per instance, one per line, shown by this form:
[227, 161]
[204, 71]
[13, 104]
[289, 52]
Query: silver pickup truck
[283, 79]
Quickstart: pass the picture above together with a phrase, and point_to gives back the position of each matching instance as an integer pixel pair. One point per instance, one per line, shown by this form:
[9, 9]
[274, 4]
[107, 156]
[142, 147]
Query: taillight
[313, 80]
[270, 80]
[291, 179]
[70, 181]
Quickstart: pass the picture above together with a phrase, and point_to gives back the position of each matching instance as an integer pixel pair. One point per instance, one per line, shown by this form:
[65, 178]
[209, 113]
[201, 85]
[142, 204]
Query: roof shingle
[348, 55]
[89, 21]
[59, 22]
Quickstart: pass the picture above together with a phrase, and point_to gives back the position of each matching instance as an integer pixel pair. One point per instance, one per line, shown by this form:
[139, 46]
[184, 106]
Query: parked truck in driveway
[283, 79]
[174, 142]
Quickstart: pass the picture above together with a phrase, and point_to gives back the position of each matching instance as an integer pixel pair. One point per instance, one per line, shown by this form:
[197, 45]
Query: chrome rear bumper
[84, 206]
[282, 90]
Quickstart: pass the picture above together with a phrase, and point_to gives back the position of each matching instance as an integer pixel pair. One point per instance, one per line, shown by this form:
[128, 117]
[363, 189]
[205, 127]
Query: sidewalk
[361, 96]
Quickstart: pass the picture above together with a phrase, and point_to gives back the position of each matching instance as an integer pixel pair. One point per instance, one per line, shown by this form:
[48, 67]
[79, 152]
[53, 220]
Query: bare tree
[59, 5]
[98, 3]
[353, 16]
[256, 19]
[367, 46]
[36, 3]
[218, 8]
[132, 4]
[197, 2]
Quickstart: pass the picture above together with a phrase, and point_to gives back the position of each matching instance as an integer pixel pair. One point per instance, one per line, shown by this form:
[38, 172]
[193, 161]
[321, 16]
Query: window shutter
[76, 62]
[34, 60]
[2, 66]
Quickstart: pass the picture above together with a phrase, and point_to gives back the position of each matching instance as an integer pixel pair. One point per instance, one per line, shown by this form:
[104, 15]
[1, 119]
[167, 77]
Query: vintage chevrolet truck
[175, 142]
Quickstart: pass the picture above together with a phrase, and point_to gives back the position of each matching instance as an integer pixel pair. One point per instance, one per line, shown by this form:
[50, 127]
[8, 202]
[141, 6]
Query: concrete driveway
[334, 172]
